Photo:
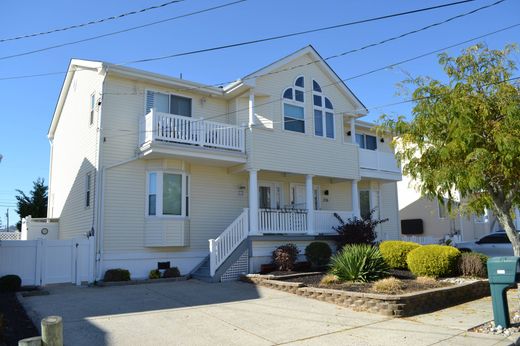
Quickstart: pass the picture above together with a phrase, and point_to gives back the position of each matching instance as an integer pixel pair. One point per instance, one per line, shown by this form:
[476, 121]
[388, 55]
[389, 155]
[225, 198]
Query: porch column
[251, 107]
[309, 202]
[253, 201]
[353, 130]
[355, 198]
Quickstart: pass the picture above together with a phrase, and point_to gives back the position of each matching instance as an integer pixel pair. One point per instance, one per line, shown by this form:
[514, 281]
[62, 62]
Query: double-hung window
[323, 113]
[166, 103]
[366, 141]
[92, 108]
[167, 194]
[293, 107]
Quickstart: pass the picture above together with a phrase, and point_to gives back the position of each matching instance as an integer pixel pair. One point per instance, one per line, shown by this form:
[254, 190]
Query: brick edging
[408, 304]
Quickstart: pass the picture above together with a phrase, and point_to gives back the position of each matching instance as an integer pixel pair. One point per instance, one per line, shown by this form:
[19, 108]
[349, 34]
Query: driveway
[196, 313]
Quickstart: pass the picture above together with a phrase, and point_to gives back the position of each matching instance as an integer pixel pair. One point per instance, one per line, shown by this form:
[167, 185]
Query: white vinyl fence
[41, 262]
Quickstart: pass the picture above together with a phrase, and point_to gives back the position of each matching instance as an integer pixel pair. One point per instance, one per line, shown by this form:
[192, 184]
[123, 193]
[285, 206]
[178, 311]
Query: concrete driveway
[196, 313]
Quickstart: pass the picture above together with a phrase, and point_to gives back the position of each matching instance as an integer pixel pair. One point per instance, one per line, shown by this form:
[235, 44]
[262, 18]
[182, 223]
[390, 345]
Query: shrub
[433, 260]
[10, 283]
[428, 281]
[116, 275]
[318, 253]
[154, 274]
[329, 279]
[285, 256]
[473, 264]
[394, 252]
[388, 285]
[356, 230]
[359, 262]
[171, 273]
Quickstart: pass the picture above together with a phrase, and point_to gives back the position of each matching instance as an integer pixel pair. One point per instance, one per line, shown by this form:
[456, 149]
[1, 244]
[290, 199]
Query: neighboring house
[164, 169]
[424, 217]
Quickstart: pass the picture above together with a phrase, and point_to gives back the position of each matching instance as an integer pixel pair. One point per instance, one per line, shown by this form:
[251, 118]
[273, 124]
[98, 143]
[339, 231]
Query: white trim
[316, 189]
[273, 185]
[153, 255]
[295, 103]
[439, 210]
[324, 112]
[369, 199]
[92, 109]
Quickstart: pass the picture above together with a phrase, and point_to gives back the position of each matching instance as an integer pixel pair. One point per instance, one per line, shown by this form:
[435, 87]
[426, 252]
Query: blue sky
[28, 104]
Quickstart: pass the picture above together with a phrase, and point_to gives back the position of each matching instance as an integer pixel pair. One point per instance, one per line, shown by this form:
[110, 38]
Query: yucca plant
[359, 263]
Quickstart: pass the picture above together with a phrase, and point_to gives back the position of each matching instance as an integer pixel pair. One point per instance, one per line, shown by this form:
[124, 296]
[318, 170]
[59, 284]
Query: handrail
[222, 247]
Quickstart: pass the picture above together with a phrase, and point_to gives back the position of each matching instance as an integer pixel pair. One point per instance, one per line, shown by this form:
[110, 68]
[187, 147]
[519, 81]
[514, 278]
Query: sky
[29, 103]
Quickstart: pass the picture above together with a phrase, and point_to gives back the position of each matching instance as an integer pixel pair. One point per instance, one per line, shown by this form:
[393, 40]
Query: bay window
[167, 194]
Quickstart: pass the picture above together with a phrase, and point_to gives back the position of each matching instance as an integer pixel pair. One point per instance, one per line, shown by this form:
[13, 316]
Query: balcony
[378, 161]
[170, 128]
[187, 138]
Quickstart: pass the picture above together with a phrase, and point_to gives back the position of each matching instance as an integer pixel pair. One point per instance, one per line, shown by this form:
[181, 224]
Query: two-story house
[213, 179]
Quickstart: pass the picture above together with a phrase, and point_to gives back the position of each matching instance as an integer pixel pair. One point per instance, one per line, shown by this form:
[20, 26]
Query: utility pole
[7, 216]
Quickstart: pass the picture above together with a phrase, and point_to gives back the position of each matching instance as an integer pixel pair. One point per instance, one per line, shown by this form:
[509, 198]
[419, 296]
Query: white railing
[156, 126]
[222, 247]
[10, 235]
[378, 160]
[282, 221]
[421, 240]
[324, 220]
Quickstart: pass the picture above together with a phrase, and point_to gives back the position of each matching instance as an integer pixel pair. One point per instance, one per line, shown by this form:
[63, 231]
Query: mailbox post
[503, 272]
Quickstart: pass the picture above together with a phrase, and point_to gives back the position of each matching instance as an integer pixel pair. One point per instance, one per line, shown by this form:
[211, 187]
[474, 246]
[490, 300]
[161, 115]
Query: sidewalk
[235, 313]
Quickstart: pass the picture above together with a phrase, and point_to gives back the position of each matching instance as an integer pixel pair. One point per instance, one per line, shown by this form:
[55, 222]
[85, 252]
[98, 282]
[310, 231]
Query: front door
[269, 195]
[298, 197]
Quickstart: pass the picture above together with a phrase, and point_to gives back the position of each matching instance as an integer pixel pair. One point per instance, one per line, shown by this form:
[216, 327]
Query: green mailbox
[503, 272]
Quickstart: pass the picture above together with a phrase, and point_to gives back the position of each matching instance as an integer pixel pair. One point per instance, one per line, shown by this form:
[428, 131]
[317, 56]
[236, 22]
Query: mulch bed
[410, 284]
[15, 324]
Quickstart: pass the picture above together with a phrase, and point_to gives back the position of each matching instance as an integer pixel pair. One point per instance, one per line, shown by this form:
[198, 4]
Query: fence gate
[42, 261]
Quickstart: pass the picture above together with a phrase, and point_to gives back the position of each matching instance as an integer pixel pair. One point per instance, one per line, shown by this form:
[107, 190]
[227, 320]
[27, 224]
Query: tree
[35, 204]
[464, 135]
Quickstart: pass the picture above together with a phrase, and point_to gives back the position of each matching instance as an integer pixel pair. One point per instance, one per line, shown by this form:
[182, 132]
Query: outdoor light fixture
[382, 140]
[349, 133]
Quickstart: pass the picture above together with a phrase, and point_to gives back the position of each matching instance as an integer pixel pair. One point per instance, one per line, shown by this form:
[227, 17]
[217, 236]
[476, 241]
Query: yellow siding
[74, 155]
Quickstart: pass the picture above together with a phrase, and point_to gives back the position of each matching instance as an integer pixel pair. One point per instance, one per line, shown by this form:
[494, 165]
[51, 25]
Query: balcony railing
[378, 160]
[294, 221]
[164, 127]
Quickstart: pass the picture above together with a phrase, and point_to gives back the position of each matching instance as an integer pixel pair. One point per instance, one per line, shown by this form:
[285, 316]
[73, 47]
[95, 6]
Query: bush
[154, 274]
[433, 260]
[10, 283]
[171, 273]
[473, 264]
[426, 280]
[285, 256]
[329, 279]
[318, 253]
[388, 285]
[394, 252]
[359, 262]
[356, 230]
[116, 275]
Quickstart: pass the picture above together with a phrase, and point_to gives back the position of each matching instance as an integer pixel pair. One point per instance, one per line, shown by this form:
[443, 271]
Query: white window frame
[444, 205]
[88, 190]
[92, 107]
[365, 141]
[370, 202]
[146, 111]
[274, 186]
[185, 196]
[295, 103]
[315, 188]
[324, 112]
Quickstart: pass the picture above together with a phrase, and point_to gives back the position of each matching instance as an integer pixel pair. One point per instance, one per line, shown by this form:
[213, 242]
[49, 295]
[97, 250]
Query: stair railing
[222, 247]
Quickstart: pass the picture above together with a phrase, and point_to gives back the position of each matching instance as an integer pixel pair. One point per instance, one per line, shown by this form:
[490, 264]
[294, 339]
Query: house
[212, 179]
[428, 218]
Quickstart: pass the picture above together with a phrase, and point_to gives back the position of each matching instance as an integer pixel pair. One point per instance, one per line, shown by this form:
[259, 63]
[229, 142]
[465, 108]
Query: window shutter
[149, 100]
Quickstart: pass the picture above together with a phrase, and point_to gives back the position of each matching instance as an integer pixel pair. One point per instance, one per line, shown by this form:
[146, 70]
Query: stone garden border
[402, 305]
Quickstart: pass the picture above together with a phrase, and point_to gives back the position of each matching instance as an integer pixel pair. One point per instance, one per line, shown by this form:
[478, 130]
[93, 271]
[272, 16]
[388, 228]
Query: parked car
[492, 245]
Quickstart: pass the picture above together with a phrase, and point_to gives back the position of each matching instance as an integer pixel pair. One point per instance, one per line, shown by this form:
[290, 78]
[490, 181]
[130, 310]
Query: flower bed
[395, 305]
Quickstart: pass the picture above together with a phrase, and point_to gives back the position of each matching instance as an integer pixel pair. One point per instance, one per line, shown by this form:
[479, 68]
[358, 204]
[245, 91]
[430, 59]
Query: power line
[299, 33]
[121, 31]
[97, 21]
[311, 62]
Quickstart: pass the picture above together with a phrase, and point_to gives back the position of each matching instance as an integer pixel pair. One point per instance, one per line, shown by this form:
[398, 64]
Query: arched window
[323, 113]
[293, 106]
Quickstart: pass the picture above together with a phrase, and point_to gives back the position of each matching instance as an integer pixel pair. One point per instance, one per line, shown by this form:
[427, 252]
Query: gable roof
[248, 80]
